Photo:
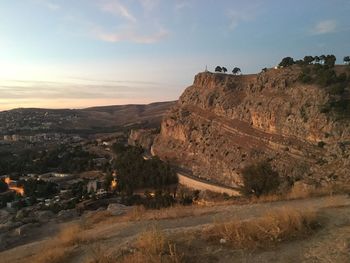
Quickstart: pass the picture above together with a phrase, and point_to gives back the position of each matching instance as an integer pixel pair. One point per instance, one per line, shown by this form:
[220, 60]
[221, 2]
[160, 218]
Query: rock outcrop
[223, 123]
[143, 138]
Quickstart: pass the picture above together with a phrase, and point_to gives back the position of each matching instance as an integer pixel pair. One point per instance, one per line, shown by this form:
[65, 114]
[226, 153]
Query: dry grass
[303, 193]
[152, 246]
[152, 241]
[95, 218]
[100, 254]
[61, 247]
[52, 255]
[273, 227]
[177, 211]
[335, 201]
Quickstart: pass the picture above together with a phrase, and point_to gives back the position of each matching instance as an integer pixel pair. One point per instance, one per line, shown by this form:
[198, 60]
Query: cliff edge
[223, 123]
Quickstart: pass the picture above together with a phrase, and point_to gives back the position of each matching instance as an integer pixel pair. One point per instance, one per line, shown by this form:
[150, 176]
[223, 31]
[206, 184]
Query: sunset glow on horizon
[82, 53]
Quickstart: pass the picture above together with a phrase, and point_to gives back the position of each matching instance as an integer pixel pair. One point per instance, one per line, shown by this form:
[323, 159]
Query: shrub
[259, 179]
[321, 144]
[304, 78]
[273, 227]
[337, 89]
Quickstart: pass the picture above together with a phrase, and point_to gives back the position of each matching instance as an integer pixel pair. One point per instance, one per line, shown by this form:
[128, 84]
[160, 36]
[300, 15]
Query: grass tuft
[273, 227]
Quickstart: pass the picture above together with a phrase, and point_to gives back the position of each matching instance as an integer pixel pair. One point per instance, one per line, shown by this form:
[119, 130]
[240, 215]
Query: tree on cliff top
[347, 60]
[224, 69]
[236, 70]
[286, 62]
[308, 59]
[330, 60]
[218, 69]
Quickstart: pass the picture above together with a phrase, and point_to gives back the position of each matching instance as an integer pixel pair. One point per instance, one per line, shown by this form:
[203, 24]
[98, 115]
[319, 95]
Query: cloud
[48, 4]
[182, 5]
[149, 5]
[130, 34]
[134, 29]
[50, 90]
[324, 27]
[118, 9]
[242, 14]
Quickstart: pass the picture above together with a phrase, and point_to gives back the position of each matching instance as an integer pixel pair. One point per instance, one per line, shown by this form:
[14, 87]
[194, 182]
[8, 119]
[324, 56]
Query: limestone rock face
[142, 137]
[223, 122]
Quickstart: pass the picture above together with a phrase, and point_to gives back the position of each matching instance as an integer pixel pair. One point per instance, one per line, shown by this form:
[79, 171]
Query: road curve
[190, 182]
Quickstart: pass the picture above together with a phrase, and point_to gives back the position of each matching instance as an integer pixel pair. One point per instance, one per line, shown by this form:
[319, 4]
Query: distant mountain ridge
[102, 118]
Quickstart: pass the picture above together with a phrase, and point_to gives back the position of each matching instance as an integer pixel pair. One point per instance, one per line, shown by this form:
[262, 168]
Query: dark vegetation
[259, 179]
[136, 173]
[3, 186]
[320, 70]
[39, 188]
[235, 70]
[62, 158]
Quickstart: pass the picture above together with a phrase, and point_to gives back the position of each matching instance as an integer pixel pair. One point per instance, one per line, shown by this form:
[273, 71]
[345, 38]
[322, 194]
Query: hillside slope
[96, 119]
[223, 123]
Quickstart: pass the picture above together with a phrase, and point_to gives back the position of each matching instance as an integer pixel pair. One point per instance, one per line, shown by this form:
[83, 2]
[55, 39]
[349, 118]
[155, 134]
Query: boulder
[117, 209]
[67, 214]
[44, 215]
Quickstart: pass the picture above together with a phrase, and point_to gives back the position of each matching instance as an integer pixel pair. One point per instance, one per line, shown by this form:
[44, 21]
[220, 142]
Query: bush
[259, 179]
[321, 144]
[337, 89]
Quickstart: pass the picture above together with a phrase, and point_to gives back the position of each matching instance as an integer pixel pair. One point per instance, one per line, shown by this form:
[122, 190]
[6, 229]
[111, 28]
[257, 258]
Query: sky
[81, 53]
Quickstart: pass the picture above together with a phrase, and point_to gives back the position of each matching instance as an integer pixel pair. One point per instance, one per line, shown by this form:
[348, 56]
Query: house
[12, 205]
[94, 186]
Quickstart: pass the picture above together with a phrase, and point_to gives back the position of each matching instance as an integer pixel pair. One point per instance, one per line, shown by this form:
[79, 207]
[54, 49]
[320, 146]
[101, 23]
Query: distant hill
[89, 120]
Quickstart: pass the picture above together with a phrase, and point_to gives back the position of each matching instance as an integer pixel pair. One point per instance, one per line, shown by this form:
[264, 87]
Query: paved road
[187, 178]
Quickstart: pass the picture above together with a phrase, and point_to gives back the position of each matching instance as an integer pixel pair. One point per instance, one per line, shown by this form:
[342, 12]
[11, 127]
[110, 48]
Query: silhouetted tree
[347, 60]
[264, 70]
[3, 186]
[236, 70]
[317, 59]
[286, 62]
[218, 69]
[330, 60]
[224, 69]
[260, 179]
[308, 59]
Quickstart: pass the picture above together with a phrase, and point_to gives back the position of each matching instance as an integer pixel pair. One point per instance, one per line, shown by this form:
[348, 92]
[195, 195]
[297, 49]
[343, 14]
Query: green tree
[330, 60]
[347, 60]
[218, 69]
[108, 180]
[224, 69]
[259, 179]
[286, 62]
[3, 186]
[308, 59]
[317, 59]
[236, 70]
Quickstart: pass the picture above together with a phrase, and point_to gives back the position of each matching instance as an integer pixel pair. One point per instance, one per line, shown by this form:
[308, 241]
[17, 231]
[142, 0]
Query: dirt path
[117, 235]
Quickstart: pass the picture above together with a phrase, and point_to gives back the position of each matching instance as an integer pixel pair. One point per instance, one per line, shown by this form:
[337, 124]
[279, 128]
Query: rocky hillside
[223, 123]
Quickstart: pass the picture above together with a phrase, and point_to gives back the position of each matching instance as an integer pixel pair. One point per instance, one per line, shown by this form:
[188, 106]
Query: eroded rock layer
[223, 122]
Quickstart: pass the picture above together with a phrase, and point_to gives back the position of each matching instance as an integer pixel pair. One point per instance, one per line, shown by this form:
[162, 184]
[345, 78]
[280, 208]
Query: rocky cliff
[223, 123]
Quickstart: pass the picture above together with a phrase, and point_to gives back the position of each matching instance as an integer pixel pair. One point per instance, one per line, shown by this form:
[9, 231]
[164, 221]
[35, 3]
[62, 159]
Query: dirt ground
[330, 243]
